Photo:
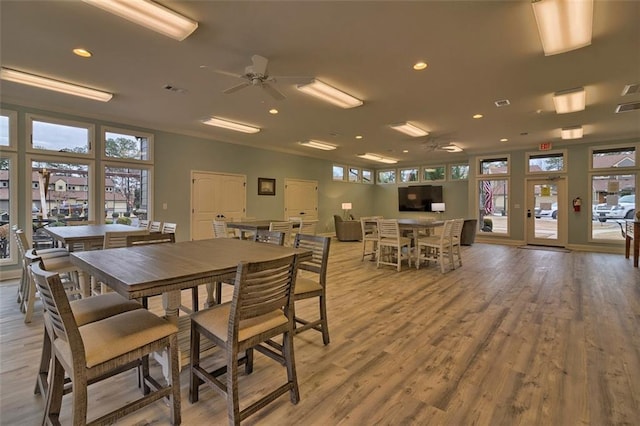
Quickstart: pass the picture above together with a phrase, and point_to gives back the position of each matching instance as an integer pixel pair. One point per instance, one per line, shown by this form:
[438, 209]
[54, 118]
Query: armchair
[347, 230]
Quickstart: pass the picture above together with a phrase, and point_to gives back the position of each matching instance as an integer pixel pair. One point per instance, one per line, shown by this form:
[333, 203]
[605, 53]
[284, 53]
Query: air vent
[175, 89]
[631, 89]
[627, 107]
[502, 102]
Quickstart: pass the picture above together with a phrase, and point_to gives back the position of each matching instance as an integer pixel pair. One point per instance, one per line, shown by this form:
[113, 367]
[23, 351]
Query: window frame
[103, 141]
[600, 170]
[395, 176]
[13, 130]
[496, 177]
[497, 157]
[423, 169]
[562, 152]
[116, 164]
[450, 172]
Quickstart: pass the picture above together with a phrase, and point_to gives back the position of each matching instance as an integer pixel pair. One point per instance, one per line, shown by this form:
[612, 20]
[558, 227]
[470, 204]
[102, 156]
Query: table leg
[171, 304]
[85, 285]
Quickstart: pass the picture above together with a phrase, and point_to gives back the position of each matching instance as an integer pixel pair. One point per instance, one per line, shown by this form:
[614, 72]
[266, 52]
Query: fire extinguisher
[577, 202]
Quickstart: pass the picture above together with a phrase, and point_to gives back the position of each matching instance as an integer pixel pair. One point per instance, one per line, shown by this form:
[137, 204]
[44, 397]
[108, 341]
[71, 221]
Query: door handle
[529, 214]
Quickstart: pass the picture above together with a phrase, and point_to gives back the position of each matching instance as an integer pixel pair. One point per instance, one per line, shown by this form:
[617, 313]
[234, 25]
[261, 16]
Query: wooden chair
[313, 286]
[262, 308]
[80, 246]
[369, 226]
[437, 248]
[307, 227]
[284, 227]
[169, 228]
[456, 241]
[143, 223]
[155, 226]
[94, 351]
[391, 244]
[270, 237]
[220, 229]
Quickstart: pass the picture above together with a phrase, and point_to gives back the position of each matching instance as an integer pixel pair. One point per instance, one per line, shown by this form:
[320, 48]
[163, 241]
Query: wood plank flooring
[515, 336]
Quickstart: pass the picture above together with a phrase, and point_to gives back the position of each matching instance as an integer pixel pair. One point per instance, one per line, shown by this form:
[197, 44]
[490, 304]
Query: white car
[625, 209]
[552, 213]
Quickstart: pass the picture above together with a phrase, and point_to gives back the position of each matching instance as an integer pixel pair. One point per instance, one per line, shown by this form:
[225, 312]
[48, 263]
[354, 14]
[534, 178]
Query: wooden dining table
[88, 235]
[252, 226]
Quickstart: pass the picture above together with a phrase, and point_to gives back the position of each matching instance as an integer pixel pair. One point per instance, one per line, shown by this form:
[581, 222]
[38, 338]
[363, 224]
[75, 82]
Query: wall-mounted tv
[418, 198]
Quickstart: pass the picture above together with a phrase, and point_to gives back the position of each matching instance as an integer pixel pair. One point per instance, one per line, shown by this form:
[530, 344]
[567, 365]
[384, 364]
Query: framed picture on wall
[266, 186]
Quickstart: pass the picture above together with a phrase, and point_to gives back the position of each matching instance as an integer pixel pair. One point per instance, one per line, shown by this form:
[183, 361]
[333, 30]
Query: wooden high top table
[632, 232]
[254, 225]
[89, 235]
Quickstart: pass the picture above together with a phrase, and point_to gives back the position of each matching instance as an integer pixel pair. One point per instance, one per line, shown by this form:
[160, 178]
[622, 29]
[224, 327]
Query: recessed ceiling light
[571, 100]
[84, 53]
[574, 132]
[478, 116]
[273, 111]
[405, 150]
[419, 66]
[359, 136]
[504, 140]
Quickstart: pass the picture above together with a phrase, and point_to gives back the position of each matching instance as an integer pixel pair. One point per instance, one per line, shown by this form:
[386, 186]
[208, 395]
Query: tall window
[8, 185]
[493, 196]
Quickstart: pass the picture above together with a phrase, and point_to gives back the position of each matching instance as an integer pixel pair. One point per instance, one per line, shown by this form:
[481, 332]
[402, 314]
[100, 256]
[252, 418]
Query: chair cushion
[306, 285]
[216, 320]
[114, 336]
[96, 308]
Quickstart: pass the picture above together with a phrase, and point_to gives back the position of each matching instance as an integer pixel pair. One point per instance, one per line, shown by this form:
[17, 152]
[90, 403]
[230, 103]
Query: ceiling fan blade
[236, 88]
[230, 74]
[273, 92]
[259, 64]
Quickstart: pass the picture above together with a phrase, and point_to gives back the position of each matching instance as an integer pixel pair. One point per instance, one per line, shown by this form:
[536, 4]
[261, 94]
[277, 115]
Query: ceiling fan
[432, 145]
[257, 74]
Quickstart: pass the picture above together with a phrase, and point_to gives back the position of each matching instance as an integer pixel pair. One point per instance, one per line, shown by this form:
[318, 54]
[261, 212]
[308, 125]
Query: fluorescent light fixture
[55, 85]
[437, 207]
[451, 148]
[226, 124]
[330, 94]
[570, 100]
[563, 25]
[573, 132]
[151, 15]
[379, 158]
[318, 145]
[409, 129]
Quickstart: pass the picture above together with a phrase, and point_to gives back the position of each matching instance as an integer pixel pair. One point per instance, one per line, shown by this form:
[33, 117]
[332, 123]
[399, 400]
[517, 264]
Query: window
[494, 166]
[8, 129]
[607, 158]
[8, 206]
[121, 144]
[60, 136]
[433, 173]
[409, 175]
[367, 176]
[493, 199]
[545, 163]
[127, 192]
[613, 199]
[459, 172]
[354, 174]
[338, 172]
[386, 176]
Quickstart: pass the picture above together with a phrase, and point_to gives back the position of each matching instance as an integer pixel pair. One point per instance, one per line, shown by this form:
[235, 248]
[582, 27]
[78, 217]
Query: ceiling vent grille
[631, 89]
[502, 103]
[627, 107]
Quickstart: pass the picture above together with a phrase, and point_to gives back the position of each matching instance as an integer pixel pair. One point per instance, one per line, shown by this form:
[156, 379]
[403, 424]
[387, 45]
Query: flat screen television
[418, 198]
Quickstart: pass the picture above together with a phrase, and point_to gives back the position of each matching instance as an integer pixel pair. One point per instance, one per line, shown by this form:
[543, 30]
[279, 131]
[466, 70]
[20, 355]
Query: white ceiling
[478, 52]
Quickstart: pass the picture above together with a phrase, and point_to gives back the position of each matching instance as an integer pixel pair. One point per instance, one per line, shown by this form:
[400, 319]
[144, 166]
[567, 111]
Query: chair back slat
[155, 226]
[308, 227]
[220, 229]
[143, 223]
[269, 237]
[261, 288]
[169, 228]
[388, 228]
[319, 247]
[146, 239]
[119, 239]
[456, 230]
[284, 227]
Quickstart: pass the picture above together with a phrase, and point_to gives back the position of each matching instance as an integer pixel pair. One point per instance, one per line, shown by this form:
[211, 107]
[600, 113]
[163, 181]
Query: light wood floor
[513, 337]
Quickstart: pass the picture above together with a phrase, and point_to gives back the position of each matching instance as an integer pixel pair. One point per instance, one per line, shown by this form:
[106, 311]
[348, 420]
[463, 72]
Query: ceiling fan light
[409, 129]
[573, 132]
[451, 148]
[570, 100]
[378, 158]
[564, 25]
[226, 124]
[150, 15]
[330, 94]
[55, 85]
[318, 145]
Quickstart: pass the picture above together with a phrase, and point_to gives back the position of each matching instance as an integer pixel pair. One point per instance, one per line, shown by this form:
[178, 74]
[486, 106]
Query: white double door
[215, 195]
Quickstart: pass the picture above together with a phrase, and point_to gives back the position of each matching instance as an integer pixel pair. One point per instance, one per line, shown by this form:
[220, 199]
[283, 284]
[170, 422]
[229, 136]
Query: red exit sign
[545, 146]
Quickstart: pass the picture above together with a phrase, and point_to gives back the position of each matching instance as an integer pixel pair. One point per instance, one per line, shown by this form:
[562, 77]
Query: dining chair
[456, 240]
[369, 226]
[391, 244]
[220, 229]
[169, 228]
[284, 227]
[437, 248]
[143, 223]
[261, 308]
[270, 237]
[84, 311]
[92, 352]
[155, 226]
[308, 227]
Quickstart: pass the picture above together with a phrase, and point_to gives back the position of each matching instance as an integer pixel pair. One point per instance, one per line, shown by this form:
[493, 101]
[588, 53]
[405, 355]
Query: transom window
[338, 172]
[409, 175]
[367, 176]
[386, 176]
[546, 162]
[60, 136]
[120, 144]
[459, 172]
[494, 166]
[605, 158]
[433, 173]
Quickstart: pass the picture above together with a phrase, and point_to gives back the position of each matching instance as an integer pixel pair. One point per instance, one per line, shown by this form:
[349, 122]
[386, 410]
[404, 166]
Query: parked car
[552, 213]
[624, 209]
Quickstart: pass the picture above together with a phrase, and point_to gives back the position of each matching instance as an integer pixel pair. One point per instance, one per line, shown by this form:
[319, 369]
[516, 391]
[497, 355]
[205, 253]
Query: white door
[301, 199]
[546, 212]
[215, 195]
